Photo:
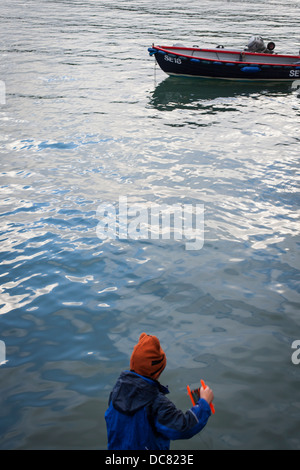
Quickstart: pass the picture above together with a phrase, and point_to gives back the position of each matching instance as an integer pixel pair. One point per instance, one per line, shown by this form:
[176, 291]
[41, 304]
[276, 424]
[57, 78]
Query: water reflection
[190, 93]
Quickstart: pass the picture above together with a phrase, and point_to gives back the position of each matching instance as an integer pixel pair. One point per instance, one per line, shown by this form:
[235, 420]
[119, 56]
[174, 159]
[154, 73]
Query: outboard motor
[256, 44]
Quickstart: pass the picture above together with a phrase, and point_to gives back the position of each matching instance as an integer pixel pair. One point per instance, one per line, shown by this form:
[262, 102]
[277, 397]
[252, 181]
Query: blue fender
[251, 69]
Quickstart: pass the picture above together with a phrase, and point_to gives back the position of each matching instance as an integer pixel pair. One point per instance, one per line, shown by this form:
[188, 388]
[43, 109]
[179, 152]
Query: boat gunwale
[172, 50]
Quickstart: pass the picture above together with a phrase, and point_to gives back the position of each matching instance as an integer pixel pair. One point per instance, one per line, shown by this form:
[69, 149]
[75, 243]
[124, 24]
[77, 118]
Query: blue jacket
[140, 416]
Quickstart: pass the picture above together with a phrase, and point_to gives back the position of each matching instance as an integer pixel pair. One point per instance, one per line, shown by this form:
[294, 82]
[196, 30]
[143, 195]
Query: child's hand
[207, 394]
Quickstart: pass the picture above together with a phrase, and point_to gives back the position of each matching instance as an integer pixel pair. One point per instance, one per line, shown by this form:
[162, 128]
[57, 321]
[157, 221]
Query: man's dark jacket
[141, 417]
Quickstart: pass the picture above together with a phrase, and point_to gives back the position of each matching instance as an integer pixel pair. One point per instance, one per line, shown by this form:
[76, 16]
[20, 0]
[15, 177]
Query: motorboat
[254, 62]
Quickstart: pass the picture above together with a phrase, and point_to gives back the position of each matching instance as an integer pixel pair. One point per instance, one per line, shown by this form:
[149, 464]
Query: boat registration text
[174, 60]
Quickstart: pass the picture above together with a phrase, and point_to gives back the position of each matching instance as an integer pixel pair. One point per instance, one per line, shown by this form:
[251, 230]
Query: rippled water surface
[88, 118]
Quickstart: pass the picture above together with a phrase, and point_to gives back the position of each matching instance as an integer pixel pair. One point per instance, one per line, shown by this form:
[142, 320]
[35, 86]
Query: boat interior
[220, 54]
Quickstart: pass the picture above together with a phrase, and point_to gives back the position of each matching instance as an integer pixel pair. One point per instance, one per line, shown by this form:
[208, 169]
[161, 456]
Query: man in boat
[140, 416]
